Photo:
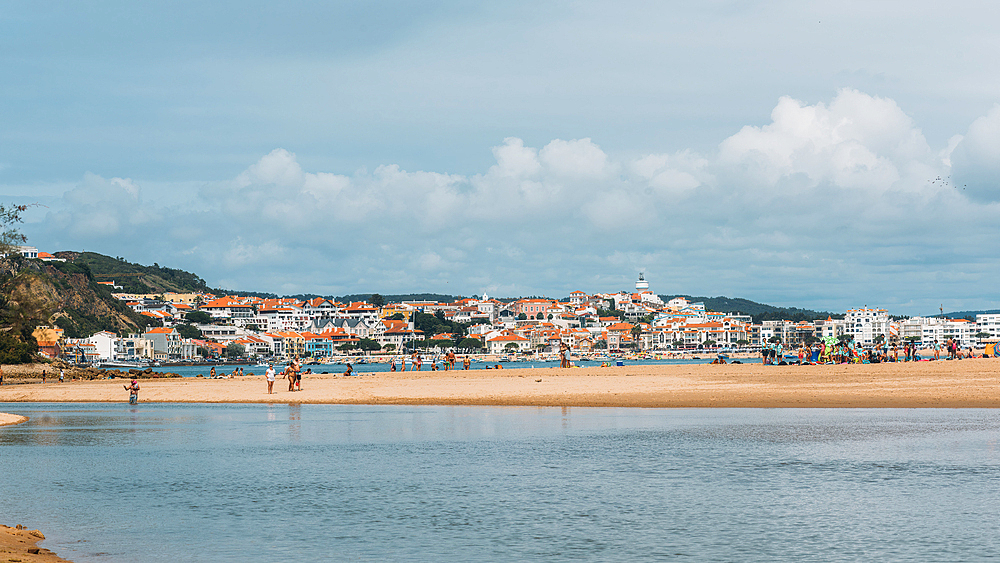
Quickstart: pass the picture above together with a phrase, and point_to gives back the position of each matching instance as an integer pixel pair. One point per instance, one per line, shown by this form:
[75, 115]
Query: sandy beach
[953, 384]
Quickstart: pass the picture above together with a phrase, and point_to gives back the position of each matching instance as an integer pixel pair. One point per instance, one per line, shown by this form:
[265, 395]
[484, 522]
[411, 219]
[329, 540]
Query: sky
[810, 154]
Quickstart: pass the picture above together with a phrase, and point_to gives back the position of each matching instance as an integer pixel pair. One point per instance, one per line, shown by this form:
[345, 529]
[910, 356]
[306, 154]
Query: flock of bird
[946, 182]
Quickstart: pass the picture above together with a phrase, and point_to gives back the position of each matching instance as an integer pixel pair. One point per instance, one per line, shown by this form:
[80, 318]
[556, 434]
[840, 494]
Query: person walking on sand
[402, 362]
[269, 376]
[62, 374]
[133, 392]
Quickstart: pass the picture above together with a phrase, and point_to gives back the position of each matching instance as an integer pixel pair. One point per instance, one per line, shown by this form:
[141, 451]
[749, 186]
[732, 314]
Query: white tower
[641, 284]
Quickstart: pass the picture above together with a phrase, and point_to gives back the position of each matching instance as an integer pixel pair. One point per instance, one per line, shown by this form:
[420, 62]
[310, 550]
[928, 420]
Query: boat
[120, 365]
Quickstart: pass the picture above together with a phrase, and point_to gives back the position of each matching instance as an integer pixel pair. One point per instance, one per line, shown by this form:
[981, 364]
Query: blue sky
[786, 152]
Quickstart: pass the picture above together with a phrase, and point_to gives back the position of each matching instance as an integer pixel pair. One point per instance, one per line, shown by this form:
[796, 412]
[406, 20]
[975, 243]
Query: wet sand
[19, 545]
[963, 383]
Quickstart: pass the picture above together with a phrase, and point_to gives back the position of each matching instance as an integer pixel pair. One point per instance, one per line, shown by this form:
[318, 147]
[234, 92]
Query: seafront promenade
[949, 384]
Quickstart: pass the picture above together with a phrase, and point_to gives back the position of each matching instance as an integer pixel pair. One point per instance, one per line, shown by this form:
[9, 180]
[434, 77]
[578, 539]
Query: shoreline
[970, 383]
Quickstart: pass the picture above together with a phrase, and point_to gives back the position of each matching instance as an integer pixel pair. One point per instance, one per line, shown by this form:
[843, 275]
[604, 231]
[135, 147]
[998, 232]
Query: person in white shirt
[269, 375]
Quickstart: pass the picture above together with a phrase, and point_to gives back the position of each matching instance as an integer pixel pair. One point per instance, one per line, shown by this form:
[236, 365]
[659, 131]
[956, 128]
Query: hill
[63, 294]
[136, 278]
[759, 311]
[970, 315]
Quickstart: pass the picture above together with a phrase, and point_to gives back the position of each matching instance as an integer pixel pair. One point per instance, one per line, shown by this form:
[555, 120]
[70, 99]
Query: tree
[369, 345]
[470, 344]
[636, 336]
[396, 317]
[200, 317]
[389, 347]
[550, 316]
[981, 335]
[252, 327]
[845, 338]
[522, 317]
[203, 352]
[601, 345]
[743, 342]
[879, 338]
[234, 350]
[774, 340]
[512, 347]
[709, 343]
[187, 331]
[540, 316]
[809, 340]
[377, 300]
[10, 236]
[346, 347]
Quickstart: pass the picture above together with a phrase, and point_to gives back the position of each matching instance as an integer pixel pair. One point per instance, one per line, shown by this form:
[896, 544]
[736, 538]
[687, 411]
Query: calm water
[192, 371]
[269, 483]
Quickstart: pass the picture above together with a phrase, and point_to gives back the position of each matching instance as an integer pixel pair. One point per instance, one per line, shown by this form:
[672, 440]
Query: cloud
[829, 205]
[975, 159]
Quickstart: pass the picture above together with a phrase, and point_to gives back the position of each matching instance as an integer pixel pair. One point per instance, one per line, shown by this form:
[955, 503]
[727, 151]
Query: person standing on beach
[211, 372]
[563, 354]
[393, 368]
[1, 375]
[269, 376]
[62, 374]
[402, 362]
[466, 363]
[43, 376]
[289, 375]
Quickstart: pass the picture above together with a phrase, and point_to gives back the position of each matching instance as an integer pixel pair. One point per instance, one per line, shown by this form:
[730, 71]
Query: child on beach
[350, 370]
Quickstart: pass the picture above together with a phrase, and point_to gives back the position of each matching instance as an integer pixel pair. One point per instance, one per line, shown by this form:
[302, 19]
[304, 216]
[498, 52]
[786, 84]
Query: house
[498, 344]
[166, 343]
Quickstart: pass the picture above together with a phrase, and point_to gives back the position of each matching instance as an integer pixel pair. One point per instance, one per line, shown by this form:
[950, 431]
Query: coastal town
[192, 327]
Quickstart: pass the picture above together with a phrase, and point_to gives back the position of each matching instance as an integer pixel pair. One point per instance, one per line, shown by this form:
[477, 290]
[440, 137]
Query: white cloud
[574, 158]
[858, 141]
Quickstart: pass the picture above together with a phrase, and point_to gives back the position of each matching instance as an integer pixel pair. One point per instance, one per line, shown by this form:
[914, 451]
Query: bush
[14, 351]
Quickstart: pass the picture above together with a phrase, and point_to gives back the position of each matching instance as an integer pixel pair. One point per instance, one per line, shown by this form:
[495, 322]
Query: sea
[282, 482]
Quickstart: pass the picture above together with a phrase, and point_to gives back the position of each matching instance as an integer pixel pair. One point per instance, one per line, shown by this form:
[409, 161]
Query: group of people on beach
[416, 362]
[848, 352]
[293, 373]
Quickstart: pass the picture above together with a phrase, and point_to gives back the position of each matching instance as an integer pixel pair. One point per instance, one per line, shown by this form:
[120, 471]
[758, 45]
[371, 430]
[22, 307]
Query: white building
[865, 324]
[990, 324]
[941, 330]
[104, 343]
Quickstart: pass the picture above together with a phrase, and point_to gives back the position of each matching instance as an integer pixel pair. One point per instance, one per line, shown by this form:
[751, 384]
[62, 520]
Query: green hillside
[759, 311]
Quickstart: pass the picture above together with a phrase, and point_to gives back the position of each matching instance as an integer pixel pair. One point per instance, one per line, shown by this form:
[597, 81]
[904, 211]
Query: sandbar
[969, 383]
[18, 544]
[6, 419]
